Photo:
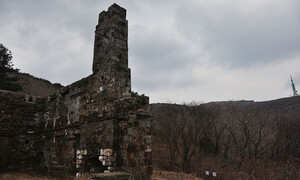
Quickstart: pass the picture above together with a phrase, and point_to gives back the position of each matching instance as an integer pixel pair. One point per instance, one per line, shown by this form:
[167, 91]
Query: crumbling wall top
[113, 11]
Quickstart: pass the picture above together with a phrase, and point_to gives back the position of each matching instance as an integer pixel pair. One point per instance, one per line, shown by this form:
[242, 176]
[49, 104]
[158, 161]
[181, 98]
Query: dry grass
[157, 175]
[166, 175]
[25, 176]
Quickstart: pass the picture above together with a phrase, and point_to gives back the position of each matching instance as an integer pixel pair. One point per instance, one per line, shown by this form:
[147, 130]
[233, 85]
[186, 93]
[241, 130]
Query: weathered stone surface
[96, 116]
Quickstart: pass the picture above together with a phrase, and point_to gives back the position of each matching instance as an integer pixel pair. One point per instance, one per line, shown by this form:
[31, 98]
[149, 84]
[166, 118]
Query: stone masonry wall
[94, 125]
[21, 121]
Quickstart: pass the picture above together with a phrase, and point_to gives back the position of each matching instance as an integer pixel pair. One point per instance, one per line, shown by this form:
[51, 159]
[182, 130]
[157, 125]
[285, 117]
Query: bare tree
[188, 129]
[166, 117]
[249, 128]
[286, 141]
[242, 136]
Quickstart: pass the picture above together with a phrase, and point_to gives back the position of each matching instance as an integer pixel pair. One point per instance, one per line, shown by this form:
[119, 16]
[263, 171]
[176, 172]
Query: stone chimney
[111, 51]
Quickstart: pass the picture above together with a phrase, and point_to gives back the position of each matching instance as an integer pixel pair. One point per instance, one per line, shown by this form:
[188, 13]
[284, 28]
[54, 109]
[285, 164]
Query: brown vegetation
[26, 176]
[164, 175]
[157, 175]
[35, 86]
[245, 140]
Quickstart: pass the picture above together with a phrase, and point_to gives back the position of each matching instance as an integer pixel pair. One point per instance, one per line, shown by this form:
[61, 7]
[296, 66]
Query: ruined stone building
[96, 124]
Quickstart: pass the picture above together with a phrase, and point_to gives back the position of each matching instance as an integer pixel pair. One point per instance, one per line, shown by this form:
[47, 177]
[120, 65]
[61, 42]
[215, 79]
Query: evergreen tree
[5, 57]
[6, 66]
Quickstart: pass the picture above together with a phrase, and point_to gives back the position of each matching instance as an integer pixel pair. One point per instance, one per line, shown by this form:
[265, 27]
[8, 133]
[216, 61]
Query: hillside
[288, 107]
[35, 86]
[236, 139]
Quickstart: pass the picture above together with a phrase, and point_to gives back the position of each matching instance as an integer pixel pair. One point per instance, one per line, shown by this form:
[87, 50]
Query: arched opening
[94, 165]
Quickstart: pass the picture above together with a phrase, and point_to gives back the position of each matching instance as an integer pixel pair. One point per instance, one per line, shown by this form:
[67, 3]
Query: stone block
[147, 140]
[145, 123]
[127, 139]
[101, 158]
[103, 162]
[78, 161]
[108, 152]
[132, 132]
[111, 158]
[110, 168]
[109, 138]
[81, 152]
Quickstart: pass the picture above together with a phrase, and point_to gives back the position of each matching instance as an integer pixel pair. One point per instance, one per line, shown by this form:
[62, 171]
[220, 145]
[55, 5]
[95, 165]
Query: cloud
[50, 39]
[161, 56]
[179, 50]
[242, 33]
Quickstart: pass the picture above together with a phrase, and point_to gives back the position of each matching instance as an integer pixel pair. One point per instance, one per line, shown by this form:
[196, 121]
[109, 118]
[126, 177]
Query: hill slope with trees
[234, 138]
[12, 80]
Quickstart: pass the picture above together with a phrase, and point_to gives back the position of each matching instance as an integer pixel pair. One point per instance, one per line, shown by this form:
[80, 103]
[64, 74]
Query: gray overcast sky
[179, 50]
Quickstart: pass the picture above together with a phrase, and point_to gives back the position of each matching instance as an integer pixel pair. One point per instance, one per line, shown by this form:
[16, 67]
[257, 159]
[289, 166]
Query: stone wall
[21, 122]
[94, 125]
